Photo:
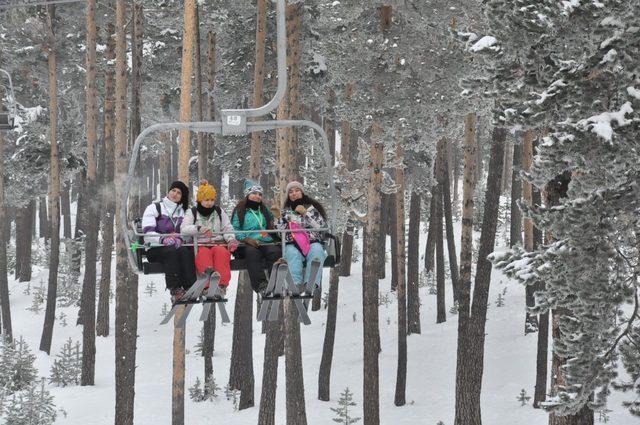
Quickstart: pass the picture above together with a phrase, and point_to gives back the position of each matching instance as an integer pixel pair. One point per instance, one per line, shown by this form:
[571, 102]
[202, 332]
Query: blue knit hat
[251, 187]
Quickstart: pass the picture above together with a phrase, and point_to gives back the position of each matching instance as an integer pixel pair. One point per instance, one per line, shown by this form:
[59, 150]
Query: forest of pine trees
[470, 147]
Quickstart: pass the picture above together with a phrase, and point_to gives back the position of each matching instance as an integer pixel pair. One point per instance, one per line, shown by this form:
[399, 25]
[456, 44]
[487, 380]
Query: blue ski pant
[295, 260]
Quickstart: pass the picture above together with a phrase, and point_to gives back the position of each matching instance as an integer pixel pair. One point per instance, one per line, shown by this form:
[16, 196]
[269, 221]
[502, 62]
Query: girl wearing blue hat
[259, 249]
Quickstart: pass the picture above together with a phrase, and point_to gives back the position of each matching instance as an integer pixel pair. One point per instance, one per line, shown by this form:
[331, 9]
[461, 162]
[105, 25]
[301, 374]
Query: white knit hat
[294, 184]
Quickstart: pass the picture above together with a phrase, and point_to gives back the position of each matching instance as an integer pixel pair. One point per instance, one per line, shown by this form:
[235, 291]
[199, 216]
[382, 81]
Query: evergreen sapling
[345, 403]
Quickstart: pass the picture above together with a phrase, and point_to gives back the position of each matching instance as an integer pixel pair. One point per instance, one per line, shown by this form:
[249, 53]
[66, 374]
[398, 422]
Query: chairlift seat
[332, 246]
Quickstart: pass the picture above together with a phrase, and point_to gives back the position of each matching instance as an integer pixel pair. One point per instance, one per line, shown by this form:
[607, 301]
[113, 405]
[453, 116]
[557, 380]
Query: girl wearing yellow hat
[210, 224]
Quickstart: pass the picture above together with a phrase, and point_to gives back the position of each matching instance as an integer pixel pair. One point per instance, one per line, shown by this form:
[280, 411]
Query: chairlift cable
[38, 3]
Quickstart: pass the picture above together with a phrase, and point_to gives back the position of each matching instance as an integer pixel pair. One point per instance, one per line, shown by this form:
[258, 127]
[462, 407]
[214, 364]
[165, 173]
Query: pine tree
[67, 367]
[345, 402]
[17, 370]
[32, 406]
[523, 398]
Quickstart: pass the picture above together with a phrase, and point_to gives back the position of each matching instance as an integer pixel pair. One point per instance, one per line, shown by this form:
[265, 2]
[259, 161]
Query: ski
[311, 287]
[188, 298]
[212, 296]
[264, 305]
[299, 300]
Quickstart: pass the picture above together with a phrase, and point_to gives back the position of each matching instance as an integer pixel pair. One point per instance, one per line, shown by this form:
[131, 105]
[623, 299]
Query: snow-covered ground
[509, 362]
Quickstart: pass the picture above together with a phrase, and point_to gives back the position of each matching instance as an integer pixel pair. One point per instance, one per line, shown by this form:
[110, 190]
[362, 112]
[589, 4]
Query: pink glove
[174, 241]
[233, 245]
[168, 240]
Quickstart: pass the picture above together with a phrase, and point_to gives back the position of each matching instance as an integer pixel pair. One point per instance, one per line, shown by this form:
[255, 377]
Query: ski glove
[174, 241]
[233, 245]
[249, 241]
[301, 210]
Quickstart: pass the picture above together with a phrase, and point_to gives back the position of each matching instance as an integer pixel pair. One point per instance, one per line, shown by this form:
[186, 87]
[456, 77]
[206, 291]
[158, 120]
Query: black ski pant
[179, 265]
[257, 260]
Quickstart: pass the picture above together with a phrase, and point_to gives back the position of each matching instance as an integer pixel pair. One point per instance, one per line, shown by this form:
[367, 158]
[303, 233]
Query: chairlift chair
[233, 122]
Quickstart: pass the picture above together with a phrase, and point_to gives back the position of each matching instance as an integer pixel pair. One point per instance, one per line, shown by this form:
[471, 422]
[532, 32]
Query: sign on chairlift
[234, 122]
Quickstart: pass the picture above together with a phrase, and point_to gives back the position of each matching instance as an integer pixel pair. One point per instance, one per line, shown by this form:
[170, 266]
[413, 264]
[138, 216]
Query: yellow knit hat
[206, 191]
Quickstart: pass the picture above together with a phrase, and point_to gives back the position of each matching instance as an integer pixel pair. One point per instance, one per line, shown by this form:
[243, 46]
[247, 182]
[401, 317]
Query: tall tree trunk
[66, 210]
[507, 168]
[43, 218]
[188, 42]
[540, 392]
[448, 216]
[393, 233]
[241, 372]
[25, 229]
[515, 231]
[527, 193]
[126, 323]
[466, 248]
[202, 140]
[54, 188]
[381, 263]
[273, 347]
[430, 248]
[400, 260]
[109, 189]
[296, 412]
[324, 374]
[5, 304]
[258, 84]
[91, 242]
[437, 223]
[470, 355]
[216, 178]
[413, 266]
[206, 152]
[346, 153]
[371, 334]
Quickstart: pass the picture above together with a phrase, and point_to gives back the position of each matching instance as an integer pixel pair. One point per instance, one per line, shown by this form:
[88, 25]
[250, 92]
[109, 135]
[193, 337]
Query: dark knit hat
[185, 193]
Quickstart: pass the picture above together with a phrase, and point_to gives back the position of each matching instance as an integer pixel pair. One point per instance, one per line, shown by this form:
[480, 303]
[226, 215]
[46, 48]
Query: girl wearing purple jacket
[161, 225]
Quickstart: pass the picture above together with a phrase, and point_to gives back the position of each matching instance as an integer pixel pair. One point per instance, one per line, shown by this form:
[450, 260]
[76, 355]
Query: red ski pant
[216, 257]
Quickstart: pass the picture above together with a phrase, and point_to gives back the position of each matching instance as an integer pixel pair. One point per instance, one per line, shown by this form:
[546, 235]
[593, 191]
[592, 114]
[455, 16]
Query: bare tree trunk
[202, 140]
[188, 42]
[43, 218]
[381, 263]
[507, 168]
[241, 371]
[273, 347]
[211, 80]
[413, 266]
[466, 242]
[470, 355]
[66, 210]
[54, 188]
[430, 249]
[515, 232]
[347, 236]
[258, 84]
[204, 153]
[527, 193]
[25, 231]
[437, 223]
[451, 244]
[400, 260]
[5, 304]
[324, 374]
[126, 322]
[108, 198]
[393, 233]
[296, 412]
[371, 334]
[91, 242]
